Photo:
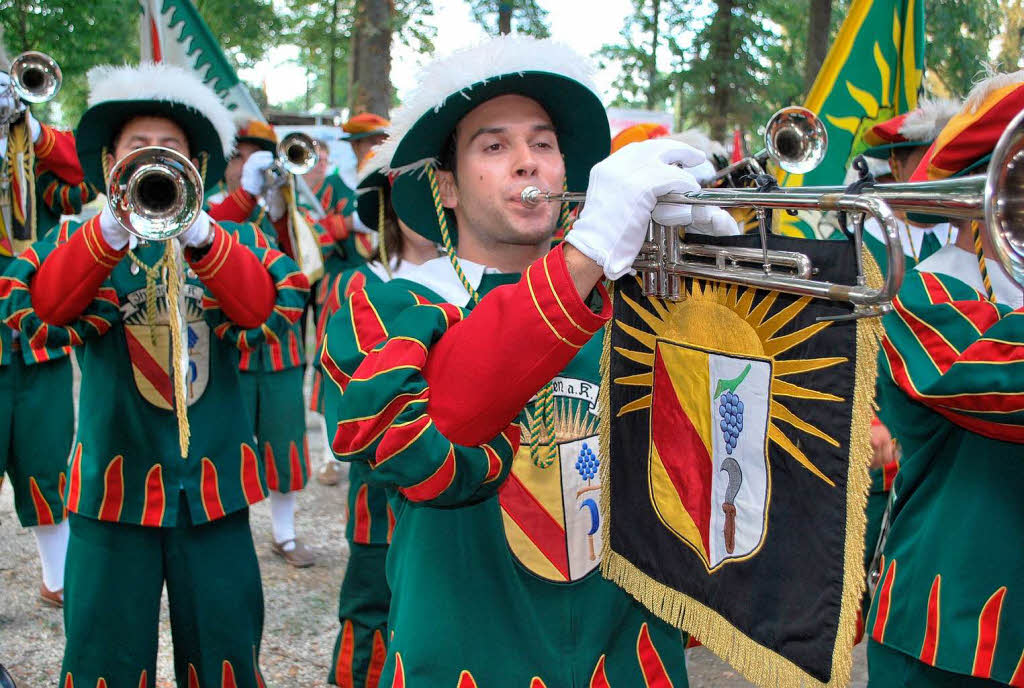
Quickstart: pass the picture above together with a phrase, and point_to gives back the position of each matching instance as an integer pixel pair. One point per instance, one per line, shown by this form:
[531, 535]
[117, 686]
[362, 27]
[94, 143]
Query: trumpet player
[469, 387]
[902, 142]
[40, 179]
[948, 607]
[141, 515]
[271, 374]
[364, 598]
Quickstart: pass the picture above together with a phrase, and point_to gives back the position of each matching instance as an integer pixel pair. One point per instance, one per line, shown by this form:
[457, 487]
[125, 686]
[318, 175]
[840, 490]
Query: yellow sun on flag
[725, 318]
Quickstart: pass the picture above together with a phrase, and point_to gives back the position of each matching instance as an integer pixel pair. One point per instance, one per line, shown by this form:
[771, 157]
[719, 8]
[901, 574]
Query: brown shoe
[51, 598]
[298, 556]
[330, 473]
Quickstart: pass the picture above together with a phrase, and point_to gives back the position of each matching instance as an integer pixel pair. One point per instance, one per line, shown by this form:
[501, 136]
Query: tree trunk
[332, 57]
[722, 53]
[652, 67]
[505, 17]
[370, 86]
[817, 39]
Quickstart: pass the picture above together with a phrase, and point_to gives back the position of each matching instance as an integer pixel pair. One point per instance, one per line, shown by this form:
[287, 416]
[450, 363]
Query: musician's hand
[707, 219]
[200, 234]
[35, 129]
[621, 196]
[884, 449]
[116, 236]
[253, 171]
[7, 99]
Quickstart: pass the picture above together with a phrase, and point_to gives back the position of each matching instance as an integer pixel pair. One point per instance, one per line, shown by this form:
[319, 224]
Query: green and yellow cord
[544, 417]
[979, 251]
[381, 244]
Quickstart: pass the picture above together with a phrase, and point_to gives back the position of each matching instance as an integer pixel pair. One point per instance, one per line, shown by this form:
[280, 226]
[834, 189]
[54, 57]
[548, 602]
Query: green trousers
[275, 404]
[361, 648]
[37, 424]
[889, 668]
[115, 575]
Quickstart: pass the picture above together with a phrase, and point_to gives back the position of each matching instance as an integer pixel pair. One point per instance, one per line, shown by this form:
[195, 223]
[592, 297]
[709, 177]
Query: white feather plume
[453, 76]
[984, 88]
[929, 118]
[165, 82]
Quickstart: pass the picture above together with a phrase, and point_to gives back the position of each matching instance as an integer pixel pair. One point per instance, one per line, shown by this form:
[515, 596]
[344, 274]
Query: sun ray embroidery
[756, 334]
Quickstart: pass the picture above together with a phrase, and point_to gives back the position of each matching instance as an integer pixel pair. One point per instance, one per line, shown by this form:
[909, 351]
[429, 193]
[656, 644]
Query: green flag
[871, 74]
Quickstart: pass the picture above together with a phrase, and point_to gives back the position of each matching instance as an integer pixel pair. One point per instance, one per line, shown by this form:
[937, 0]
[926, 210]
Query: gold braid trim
[979, 251]
[381, 243]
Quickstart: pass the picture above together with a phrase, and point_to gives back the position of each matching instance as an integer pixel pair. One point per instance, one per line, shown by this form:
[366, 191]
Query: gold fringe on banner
[758, 664]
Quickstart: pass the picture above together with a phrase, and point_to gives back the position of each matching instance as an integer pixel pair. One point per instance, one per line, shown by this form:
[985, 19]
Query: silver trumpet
[155, 193]
[665, 258]
[996, 197]
[795, 138]
[35, 77]
[296, 154]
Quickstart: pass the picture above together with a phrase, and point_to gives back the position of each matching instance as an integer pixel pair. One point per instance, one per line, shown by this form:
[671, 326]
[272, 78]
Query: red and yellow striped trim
[988, 634]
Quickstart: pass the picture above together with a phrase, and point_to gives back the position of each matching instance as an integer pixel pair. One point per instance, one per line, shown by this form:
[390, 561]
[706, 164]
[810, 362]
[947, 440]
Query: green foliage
[309, 28]
[959, 33]
[78, 35]
[246, 32]
[81, 35]
[526, 16]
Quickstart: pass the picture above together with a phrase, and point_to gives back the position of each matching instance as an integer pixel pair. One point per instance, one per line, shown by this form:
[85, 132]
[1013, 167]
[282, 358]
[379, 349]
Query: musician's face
[501, 147]
[233, 172]
[140, 132]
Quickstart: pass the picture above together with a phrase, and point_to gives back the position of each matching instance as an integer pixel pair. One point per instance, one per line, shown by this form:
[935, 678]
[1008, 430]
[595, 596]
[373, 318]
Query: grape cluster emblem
[730, 413]
[730, 409]
[587, 464]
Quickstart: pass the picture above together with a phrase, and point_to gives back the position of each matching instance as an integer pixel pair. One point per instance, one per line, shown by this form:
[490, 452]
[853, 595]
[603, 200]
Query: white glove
[199, 234]
[7, 100]
[253, 177]
[116, 236]
[712, 220]
[621, 196]
[275, 203]
[35, 129]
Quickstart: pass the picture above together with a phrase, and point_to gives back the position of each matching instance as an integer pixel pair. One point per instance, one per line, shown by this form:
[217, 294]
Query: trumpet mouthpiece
[531, 196]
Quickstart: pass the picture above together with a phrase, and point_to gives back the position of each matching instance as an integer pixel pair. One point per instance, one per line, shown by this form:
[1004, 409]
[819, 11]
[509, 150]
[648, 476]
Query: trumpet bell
[155, 193]
[35, 77]
[796, 139]
[1004, 199]
[297, 153]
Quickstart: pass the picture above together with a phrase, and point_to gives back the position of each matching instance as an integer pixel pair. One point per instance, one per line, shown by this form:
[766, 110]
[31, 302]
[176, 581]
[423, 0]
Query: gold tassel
[174, 319]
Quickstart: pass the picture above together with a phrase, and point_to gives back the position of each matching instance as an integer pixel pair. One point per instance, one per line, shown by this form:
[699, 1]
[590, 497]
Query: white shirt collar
[439, 276]
[955, 262]
[912, 237]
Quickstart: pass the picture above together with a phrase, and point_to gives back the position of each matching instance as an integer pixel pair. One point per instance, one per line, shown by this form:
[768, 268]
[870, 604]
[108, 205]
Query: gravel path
[300, 624]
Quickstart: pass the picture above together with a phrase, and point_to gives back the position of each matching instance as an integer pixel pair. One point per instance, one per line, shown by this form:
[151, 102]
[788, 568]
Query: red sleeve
[237, 206]
[71, 275]
[284, 237]
[337, 226]
[485, 369]
[55, 152]
[237, 279]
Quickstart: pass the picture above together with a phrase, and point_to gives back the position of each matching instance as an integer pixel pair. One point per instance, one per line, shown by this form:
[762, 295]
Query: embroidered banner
[737, 427]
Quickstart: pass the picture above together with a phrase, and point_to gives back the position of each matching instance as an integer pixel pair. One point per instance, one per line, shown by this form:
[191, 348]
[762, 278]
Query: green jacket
[493, 560]
[126, 464]
[951, 381]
